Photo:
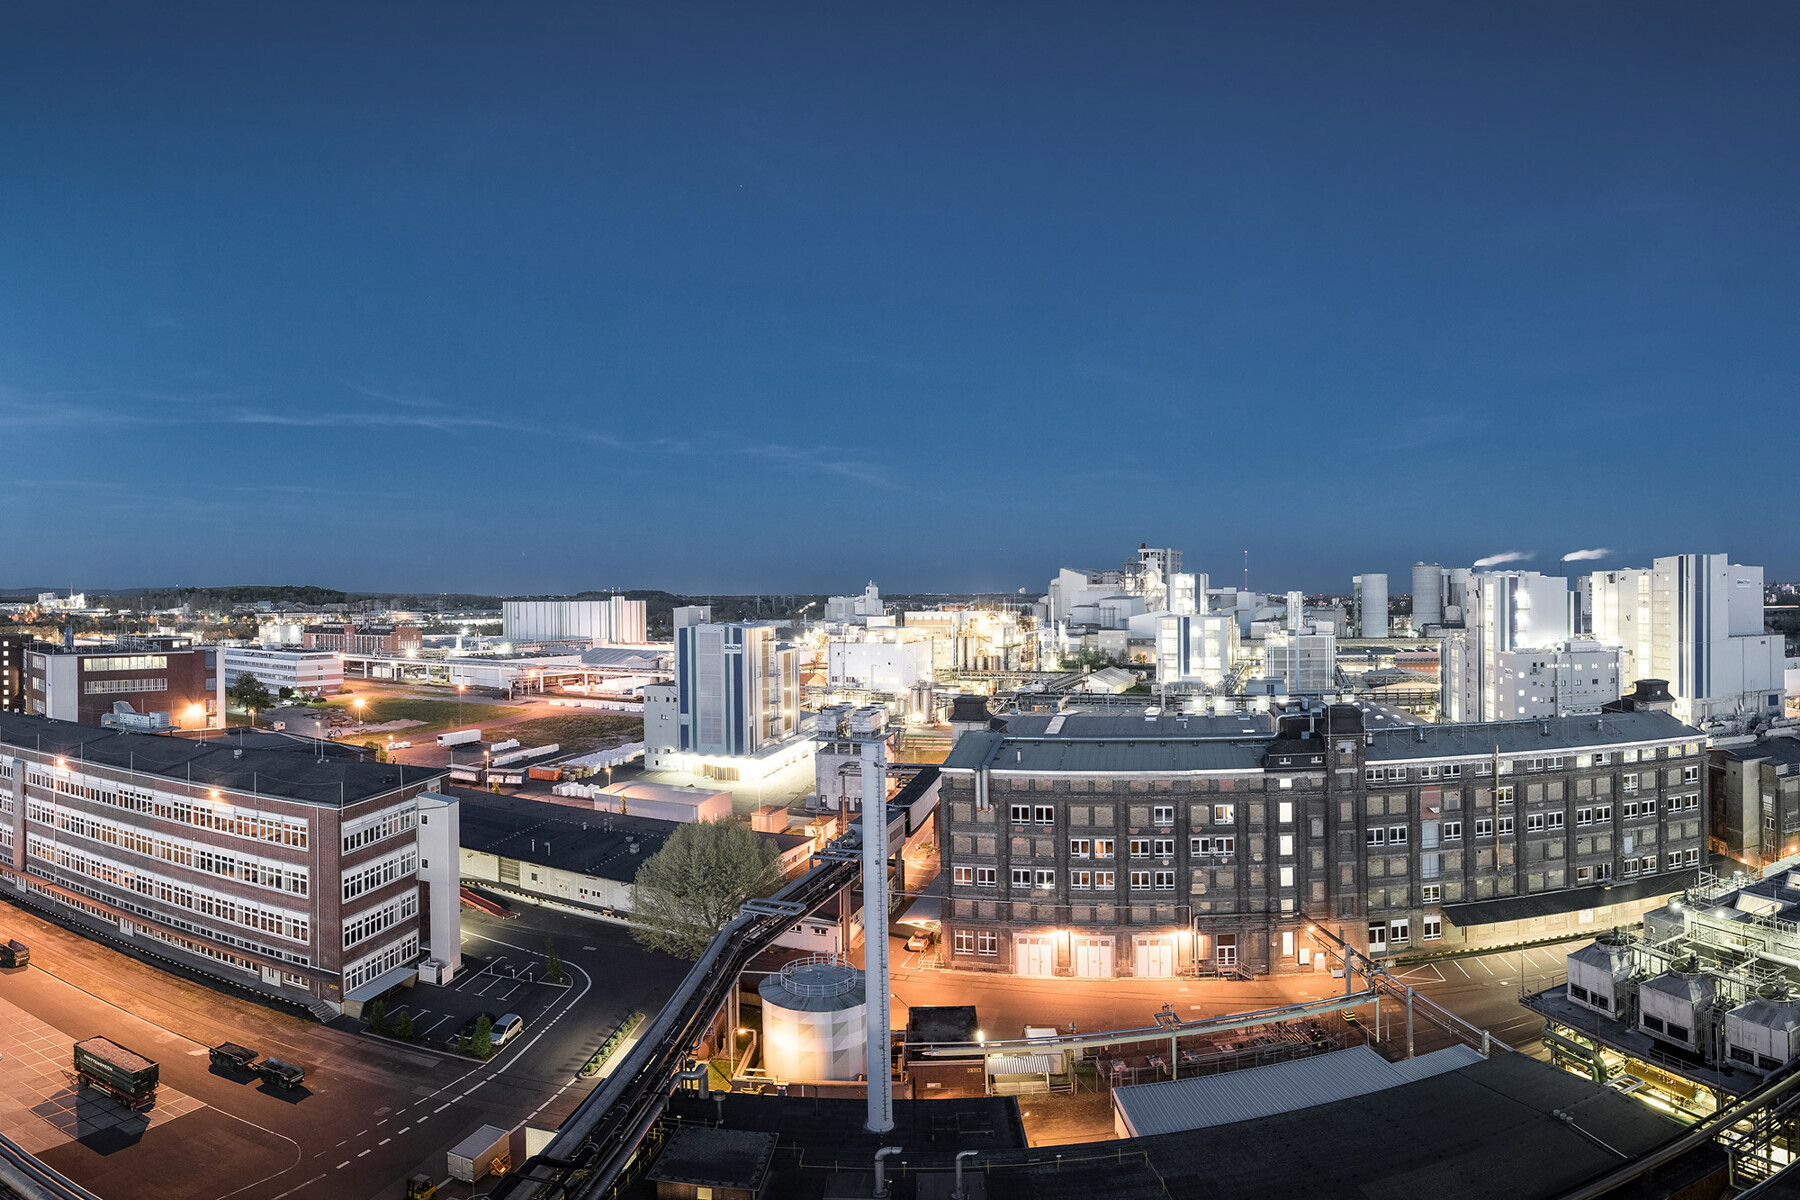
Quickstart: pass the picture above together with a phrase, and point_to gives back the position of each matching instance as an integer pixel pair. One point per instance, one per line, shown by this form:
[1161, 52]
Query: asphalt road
[373, 1111]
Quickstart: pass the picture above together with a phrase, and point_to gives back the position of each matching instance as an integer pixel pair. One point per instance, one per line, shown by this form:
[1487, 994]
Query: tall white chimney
[875, 932]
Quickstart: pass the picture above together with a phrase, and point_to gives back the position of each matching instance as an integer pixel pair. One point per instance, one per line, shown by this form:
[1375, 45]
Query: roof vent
[238, 753]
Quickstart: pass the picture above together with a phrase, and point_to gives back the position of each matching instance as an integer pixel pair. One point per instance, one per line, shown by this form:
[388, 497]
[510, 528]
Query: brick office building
[364, 639]
[303, 877]
[152, 675]
[1147, 851]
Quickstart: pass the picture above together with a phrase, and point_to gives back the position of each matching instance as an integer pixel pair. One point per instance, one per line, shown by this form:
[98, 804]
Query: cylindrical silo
[815, 1019]
[1427, 595]
[1370, 600]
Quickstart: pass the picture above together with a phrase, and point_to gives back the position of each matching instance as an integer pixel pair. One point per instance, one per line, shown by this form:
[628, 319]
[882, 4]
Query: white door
[1034, 956]
[1155, 958]
[1094, 958]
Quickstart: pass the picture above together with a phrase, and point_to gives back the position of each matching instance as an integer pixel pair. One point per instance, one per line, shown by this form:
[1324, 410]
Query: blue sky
[774, 297]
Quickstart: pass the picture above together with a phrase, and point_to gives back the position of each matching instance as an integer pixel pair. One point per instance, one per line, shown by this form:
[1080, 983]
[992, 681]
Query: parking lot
[372, 1111]
[509, 982]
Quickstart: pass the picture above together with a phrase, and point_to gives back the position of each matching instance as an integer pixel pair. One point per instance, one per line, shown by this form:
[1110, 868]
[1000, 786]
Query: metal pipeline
[696, 1073]
[959, 1194]
[881, 1187]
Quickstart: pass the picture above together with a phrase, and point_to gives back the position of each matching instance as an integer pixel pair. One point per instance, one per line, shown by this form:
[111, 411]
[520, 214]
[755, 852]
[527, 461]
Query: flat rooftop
[1492, 1130]
[1526, 737]
[254, 768]
[1136, 724]
[565, 838]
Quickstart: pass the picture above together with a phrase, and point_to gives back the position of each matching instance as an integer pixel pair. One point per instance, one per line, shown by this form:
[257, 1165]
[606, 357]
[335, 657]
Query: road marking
[1484, 965]
[342, 1165]
[341, 1143]
[1461, 968]
[407, 1130]
[365, 1153]
[442, 1107]
[292, 1190]
[383, 1142]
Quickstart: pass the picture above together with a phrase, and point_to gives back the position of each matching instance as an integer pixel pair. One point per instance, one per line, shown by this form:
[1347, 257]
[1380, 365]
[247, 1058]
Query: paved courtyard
[41, 1104]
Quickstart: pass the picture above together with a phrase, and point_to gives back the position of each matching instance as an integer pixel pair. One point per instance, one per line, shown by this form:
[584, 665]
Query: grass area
[581, 733]
[437, 715]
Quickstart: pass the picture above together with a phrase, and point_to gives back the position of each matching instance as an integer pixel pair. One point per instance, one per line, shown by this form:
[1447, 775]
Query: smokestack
[875, 933]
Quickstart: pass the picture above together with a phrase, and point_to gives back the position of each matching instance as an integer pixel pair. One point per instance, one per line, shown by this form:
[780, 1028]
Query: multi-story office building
[735, 699]
[1369, 606]
[308, 672]
[1756, 800]
[364, 639]
[1708, 639]
[276, 870]
[151, 675]
[1505, 611]
[614, 620]
[13, 677]
[1157, 849]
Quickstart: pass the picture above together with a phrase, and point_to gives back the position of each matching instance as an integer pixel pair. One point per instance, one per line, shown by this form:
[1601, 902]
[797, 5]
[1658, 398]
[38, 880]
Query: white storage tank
[815, 1020]
[1600, 975]
[1764, 1031]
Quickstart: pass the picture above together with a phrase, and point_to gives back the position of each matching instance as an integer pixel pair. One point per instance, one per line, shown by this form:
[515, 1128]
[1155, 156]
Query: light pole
[358, 705]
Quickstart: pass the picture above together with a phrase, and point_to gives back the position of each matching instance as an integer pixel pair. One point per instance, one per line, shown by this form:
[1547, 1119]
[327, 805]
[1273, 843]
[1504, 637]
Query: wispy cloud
[446, 422]
[1507, 556]
[1587, 555]
[823, 459]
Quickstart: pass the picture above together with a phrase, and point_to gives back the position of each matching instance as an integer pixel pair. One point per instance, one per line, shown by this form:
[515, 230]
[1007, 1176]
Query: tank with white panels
[1602, 975]
[1427, 595]
[1764, 1031]
[1676, 1006]
[815, 1019]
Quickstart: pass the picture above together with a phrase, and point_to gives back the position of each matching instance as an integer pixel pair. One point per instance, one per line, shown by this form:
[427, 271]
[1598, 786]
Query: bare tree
[688, 890]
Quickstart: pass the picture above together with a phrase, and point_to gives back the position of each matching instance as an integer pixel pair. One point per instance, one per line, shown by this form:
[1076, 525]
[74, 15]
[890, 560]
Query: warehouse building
[318, 880]
[1148, 852]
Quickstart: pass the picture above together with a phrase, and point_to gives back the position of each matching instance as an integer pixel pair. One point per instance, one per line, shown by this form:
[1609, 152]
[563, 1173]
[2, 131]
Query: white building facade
[614, 620]
[308, 672]
[1708, 640]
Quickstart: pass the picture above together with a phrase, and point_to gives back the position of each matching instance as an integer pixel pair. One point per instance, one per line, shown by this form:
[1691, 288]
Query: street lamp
[358, 705]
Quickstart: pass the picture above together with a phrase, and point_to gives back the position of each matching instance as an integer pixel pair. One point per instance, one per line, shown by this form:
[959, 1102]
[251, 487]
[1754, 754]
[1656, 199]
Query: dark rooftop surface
[1566, 900]
[1153, 752]
[730, 1158]
[941, 1023]
[1489, 1131]
[565, 838]
[1103, 742]
[1775, 749]
[1138, 725]
[288, 774]
[1524, 737]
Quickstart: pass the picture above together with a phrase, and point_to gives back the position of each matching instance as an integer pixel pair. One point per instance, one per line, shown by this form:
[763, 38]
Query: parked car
[14, 954]
[508, 1027]
[921, 940]
[468, 1026]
